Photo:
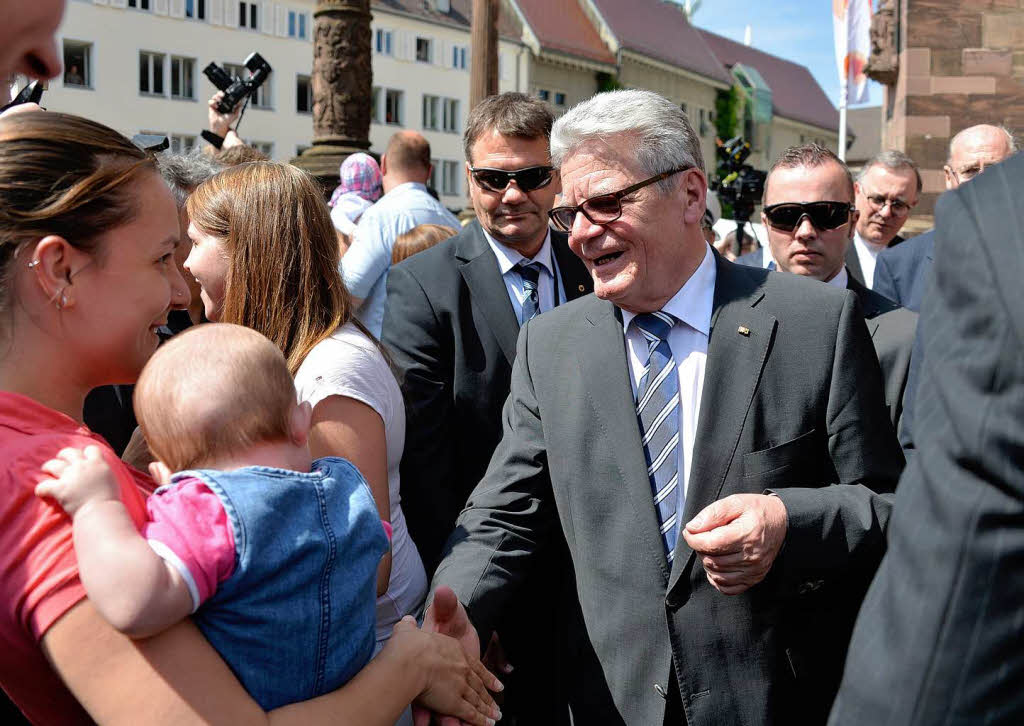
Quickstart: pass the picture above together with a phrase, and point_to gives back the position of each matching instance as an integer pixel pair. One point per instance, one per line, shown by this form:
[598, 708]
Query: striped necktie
[657, 409]
[530, 272]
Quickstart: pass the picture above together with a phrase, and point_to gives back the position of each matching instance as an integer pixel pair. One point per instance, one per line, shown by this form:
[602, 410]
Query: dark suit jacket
[795, 406]
[892, 330]
[939, 637]
[451, 330]
[900, 272]
[853, 261]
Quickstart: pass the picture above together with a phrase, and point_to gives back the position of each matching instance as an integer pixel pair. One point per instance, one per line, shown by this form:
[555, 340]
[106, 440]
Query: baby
[273, 554]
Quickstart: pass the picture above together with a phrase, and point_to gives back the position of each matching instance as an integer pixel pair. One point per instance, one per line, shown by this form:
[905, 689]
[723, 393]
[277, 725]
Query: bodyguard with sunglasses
[453, 315]
[710, 440]
[810, 218]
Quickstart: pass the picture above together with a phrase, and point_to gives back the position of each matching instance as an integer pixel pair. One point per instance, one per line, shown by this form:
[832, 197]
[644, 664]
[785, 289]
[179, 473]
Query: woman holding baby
[87, 237]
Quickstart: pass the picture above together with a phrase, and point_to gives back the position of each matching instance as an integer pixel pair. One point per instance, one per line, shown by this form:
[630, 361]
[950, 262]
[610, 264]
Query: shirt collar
[509, 258]
[841, 280]
[694, 301]
[27, 415]
[408, 186]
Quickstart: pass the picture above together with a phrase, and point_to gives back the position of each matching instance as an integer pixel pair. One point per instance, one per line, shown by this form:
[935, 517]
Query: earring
[62, 300]
[33, 263]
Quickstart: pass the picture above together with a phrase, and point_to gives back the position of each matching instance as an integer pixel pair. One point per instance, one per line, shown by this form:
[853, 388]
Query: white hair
[662, 136]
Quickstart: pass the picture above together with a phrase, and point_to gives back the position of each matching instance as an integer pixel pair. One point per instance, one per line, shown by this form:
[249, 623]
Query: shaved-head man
[973, 150]
[406, 203]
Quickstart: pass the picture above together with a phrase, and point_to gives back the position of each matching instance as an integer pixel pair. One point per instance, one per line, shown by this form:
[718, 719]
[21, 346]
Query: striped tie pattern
[530, 272]
[657, 409]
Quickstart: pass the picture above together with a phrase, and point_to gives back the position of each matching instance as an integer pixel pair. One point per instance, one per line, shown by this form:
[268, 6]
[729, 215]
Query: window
[77, 64]
[195, 9]
[450, 178]
[296, 24]
[139, 4]
[703, 128]
[264, 147]
[451, 115]
[262, 97]
[303, 95]
[559, 99]
[182, 143]
[183, 73]
[383, 42]
[151, 73]
[393, 107]
[423, 50]
[248, 15]
[543, 94]
[375, 105]
[302, 25]
[431, 108]
[459, 57]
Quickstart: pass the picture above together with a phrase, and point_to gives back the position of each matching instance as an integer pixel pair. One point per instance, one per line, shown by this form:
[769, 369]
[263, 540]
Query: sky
[798, 30]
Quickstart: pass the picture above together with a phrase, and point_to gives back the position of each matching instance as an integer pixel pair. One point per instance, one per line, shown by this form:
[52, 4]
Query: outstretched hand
[80, 477]
[447, 616]
[738, 539]
[221, 123]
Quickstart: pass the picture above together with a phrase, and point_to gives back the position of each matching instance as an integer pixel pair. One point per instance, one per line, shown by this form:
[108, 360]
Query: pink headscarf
[360, 177]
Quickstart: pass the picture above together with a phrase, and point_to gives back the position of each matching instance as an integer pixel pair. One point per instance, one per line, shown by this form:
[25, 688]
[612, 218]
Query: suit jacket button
[660, 690]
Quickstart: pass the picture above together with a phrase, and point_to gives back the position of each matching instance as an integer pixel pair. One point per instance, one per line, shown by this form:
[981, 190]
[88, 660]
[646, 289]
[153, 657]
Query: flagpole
[844, 93]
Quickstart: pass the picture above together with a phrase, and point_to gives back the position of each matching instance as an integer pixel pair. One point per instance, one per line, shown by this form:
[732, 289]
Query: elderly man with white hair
[711, 441]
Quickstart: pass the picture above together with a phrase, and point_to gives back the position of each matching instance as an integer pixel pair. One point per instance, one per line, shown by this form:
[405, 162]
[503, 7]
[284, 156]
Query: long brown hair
[62, 175]
[283, 279]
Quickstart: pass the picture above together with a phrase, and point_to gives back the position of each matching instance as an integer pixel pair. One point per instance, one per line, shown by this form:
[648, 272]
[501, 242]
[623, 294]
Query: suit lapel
[479, 269]
[737, 349]
[853, 263]
[576, 281]
[604, 371]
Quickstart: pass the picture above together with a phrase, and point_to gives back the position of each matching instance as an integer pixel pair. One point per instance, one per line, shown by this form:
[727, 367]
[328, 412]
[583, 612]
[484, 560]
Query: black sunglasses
[497, 180]
[603, 208]
[823, 215]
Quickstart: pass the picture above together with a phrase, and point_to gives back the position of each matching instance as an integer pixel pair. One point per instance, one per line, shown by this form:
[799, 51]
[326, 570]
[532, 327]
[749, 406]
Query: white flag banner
[851, 25]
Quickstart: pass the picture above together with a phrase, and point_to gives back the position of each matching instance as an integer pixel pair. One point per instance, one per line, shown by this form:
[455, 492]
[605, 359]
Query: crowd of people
[277, 456]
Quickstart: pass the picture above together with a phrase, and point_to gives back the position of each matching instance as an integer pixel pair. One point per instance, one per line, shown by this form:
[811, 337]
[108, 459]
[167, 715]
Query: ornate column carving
[884, 63]
[342, 80]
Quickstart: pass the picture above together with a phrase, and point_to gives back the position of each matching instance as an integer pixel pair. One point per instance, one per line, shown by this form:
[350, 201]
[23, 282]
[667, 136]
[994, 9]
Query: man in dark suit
[810, 219]
[453, 315]
[938, 639]
[901, 271]
[677, 429]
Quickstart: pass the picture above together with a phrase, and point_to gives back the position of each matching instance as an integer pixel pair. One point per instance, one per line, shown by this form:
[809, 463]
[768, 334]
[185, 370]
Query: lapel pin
[743, 330]
[581, 288]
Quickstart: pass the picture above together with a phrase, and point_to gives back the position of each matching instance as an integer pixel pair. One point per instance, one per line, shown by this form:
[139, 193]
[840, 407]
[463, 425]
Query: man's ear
[54, 260]
[300, 424]
[160, 472]
[695, 190]
[383, 164]
[854, 218]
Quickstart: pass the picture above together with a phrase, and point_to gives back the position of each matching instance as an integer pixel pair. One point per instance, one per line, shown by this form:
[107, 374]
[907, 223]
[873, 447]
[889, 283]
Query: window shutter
[436, 47]
[231, 13]
[281, 21]
[99, 2]
[216, 12]
[400, 44]
[177, 8]
[267, 18]
[160, 7]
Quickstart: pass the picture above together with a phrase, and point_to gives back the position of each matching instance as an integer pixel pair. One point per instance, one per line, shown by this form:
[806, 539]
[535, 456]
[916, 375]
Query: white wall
[118, 34]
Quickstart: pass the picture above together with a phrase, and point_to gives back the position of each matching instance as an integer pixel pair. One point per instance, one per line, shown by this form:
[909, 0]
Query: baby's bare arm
[134, 589]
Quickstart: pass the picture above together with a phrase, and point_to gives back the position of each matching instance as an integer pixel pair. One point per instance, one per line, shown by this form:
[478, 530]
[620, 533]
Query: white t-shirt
[350, 364]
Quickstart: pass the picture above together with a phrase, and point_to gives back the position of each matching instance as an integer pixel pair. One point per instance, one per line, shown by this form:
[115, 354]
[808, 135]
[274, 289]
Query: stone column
[342, 80]
[483, 73]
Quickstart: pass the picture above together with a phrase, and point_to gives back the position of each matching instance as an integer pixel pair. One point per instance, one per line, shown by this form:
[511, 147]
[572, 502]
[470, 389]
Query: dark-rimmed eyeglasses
[823, 215]
[878, 202]
[497, 180]
[604, 208]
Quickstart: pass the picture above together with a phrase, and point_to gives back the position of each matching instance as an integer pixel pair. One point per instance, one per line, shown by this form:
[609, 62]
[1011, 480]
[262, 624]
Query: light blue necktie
[530, 272]
[657, 409]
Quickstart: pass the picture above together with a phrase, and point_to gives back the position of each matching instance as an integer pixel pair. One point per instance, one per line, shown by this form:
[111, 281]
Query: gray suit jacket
[939, 637]
[795, 405]
[892, 329]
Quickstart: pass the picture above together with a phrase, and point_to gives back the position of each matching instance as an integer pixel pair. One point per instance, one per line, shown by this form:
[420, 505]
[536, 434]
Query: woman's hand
[454, 684]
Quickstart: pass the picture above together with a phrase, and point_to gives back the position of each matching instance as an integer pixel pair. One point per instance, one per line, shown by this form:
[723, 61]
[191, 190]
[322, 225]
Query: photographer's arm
[222, 124]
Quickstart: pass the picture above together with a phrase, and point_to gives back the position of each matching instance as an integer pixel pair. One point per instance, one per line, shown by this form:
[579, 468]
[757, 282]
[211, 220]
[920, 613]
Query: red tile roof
[561, 25]
[795, 93]
[659, 29]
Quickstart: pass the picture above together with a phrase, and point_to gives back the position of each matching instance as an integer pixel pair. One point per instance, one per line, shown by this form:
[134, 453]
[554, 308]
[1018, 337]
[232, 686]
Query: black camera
[742, 186]
[235, 89]
[32, 93]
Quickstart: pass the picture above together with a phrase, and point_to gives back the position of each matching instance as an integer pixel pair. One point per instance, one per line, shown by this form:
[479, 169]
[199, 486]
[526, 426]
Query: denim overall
[296, 617]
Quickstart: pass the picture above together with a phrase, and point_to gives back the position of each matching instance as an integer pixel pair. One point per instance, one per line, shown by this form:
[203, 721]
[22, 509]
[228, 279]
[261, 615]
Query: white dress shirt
[508, 258]
[866, 253]
[688, 339]
[841, 279]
